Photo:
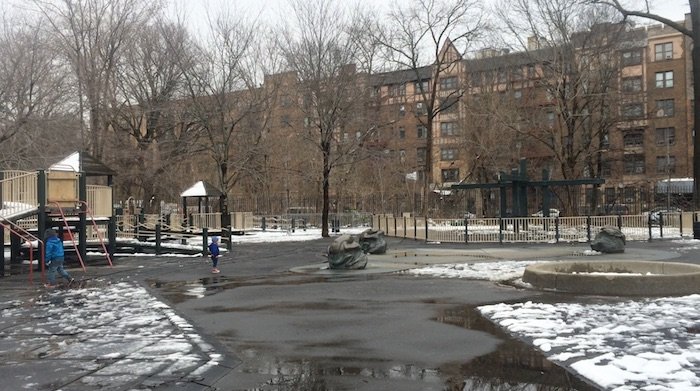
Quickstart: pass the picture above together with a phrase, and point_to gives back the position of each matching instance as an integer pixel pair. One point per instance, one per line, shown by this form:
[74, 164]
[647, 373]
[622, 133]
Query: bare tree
[32, 87]
[428, 34]
[153, 133]
[320, 49]
[693, 32]
[92, 35]
[571, 48]
[231, 111]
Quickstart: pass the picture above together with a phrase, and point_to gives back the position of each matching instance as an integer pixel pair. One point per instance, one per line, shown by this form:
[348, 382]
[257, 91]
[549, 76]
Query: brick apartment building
[648, 138]
[492, 110]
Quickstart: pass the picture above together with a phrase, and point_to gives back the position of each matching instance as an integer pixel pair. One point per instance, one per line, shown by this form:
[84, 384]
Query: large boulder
[372, 241]
[346, 253]
[609, 240]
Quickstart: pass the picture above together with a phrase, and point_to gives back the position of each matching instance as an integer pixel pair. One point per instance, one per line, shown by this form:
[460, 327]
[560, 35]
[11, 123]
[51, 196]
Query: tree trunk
[326, 191]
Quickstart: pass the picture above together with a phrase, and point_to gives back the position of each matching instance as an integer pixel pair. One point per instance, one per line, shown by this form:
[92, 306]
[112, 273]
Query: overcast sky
[196, 10]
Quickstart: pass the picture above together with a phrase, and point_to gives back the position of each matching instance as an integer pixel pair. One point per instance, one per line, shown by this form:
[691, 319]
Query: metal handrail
[24, 234]
[70, 233]
[99, 235]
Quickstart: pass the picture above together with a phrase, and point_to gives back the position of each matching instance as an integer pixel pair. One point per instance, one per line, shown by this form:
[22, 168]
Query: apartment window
[449, 106]
[420, 155]
[448, 129]
[448, 83]
[632, 110]
[550, 118]
[664, 108]
[665, 136]
[517, 73]
[605, 141]
[517, 94]
[633, 138]
[632, 84]
[664, 79]
[402, 110]
[397, 89]
[421, 131]
[605, 168]
[402, 133]
[402, 155]
[420, 108]
[501, 76]
[631, 57]
[475, 79]
[450, 175]
[633, 164]
[448, 154]
[666, 164]
[423, 85]
[531, 71]
[663, 51]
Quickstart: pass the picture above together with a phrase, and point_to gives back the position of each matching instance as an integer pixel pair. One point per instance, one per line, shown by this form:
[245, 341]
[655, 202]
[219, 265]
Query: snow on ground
[642, 344]
[646, 344]
[128, 334]
[490, 271]
[298, 235]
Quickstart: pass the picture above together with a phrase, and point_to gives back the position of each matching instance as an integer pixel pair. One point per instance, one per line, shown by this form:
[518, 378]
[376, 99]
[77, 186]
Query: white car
[552, 213]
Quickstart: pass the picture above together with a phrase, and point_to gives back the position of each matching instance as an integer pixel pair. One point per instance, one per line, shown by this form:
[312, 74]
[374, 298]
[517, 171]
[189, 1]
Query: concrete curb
[616, 278]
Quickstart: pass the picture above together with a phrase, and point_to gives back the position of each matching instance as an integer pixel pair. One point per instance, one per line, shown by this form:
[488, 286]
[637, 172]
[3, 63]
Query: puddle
[180, 291]
[513, 365]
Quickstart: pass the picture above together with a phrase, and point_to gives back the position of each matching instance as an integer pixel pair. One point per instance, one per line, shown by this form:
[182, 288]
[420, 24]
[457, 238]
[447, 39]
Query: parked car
[552, 213]
[655, 214]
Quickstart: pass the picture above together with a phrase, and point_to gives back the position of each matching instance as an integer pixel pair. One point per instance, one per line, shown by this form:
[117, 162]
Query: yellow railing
[99, 199]
[19, 192]
[206, 220]
[242, 221]
[126, 226]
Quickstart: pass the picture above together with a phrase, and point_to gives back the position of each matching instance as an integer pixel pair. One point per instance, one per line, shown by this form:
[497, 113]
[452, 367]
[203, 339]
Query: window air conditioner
[669, 56]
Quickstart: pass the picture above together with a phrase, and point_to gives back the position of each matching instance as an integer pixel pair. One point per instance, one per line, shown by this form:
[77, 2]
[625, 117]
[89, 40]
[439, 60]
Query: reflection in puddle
[514, 365]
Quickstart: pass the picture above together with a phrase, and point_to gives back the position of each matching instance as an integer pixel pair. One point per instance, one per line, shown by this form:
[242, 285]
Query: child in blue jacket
[214, 253]
[53, 256]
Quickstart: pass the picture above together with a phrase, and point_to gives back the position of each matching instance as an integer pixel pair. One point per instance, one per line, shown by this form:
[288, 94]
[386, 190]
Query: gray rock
[609, 240]
[346, 253]
[373, 241]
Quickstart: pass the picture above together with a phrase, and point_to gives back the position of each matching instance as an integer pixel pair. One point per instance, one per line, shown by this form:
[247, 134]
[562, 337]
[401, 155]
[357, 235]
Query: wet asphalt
[284, 330]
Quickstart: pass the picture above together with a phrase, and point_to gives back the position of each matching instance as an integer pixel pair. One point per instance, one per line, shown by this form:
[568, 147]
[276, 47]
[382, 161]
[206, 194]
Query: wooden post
[82, 215]
[205, 241]
[112, 236]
